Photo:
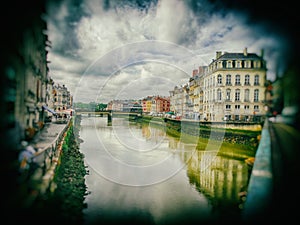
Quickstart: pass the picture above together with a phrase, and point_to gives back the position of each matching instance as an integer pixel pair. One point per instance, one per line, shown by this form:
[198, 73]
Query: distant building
[61, 98]
[147, 104]
[155, 104]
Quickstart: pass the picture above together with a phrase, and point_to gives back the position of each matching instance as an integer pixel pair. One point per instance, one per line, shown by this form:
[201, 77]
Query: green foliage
[66, 202]
[92, 106]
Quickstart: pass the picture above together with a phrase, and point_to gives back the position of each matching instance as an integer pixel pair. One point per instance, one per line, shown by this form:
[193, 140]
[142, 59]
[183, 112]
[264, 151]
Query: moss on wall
[64, 201]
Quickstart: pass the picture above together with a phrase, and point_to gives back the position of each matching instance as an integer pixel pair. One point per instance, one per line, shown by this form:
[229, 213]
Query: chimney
[262, 53]
[218, 54]
[195, 72]
[201, 70]
[245, 52]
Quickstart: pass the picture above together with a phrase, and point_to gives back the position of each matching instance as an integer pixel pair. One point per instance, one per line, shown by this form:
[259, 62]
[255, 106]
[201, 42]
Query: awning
[171, 113]
[49, 110]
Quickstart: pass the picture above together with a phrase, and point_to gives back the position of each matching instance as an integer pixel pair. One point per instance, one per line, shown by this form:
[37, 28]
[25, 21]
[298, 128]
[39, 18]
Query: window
[228, 107]
[247, 64]
[237, 106]
[219, 79]
[257, 64]
[237, 95]
[228, 92]
[256, 80]
[247, 95]
[247, 79]
[229, 64]
[228, 79]
[256, 108]
[256, 95]
[237, 80]
[219, 95]
[236, 117]
[246, 107]
[224, 64]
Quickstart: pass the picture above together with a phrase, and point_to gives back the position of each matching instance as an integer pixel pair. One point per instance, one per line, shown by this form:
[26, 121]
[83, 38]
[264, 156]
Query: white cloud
[125, 49]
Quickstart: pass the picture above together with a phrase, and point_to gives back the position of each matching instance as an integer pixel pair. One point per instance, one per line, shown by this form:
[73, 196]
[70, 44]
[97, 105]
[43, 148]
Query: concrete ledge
[260, 188]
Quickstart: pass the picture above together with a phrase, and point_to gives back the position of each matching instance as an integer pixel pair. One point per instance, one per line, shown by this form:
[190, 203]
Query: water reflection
[221, 183]
[139, 172]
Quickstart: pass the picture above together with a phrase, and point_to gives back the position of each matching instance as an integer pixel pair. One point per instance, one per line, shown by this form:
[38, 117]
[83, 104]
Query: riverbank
[239, 143]
[64, 200]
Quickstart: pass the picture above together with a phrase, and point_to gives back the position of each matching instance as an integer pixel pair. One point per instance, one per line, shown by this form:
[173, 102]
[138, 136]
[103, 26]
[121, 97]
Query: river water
[140, 175]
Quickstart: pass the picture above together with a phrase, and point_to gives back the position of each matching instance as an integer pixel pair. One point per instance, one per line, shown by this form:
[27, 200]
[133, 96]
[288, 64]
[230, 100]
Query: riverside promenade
[48, 143]
[272, 191]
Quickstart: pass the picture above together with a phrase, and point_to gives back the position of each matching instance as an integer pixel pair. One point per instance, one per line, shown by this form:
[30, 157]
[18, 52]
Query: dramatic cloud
[104, 50]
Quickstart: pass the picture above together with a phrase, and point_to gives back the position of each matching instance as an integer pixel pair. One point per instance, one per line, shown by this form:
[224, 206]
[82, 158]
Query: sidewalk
[272, 191]
[48, 143]
[260, 188]
[47, 135]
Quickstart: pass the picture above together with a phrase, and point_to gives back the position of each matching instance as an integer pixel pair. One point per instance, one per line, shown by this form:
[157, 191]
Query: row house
[115, 105]
[31, 80]
[28, 86]
[147, 104]
[155, 104]
[61, 98]
[176, 99]
[181, 102]
[124, 105]
[231, 87]
[160, 104]
[196, 92]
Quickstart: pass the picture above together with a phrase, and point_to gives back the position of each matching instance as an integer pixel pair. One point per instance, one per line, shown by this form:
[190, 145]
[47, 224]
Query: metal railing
[46, 160]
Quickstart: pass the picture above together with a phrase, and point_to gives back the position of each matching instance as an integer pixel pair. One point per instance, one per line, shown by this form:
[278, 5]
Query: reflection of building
[217, 177]
[154, 134]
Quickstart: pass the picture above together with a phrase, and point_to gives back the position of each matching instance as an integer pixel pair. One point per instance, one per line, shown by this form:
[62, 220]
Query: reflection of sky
[141, 168]
[124, 182]
[123, 154]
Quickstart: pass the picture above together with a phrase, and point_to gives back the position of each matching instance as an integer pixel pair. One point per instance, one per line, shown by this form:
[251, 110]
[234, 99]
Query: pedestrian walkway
[48, 143]
[272, 190]
[259, 192]
[48, 135]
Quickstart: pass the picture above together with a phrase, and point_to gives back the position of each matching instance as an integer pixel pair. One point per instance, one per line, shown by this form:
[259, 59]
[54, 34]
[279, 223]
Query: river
[140, 175]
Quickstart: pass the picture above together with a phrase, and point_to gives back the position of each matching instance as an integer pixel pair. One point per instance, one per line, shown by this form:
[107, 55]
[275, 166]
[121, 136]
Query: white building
[232, 87]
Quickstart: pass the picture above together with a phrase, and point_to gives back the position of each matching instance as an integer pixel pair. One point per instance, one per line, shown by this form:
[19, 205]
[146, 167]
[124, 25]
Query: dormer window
[257, 64]
[247, 64]
[238, 64]
[229, 64]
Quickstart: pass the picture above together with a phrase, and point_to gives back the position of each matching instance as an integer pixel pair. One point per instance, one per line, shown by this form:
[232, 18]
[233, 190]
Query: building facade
[231, 88]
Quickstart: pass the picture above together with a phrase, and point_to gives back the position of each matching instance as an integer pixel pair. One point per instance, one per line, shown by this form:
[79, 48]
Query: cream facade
[231, 88]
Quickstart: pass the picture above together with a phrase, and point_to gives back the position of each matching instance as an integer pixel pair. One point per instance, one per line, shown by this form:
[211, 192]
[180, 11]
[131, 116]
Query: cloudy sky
[109, 49]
